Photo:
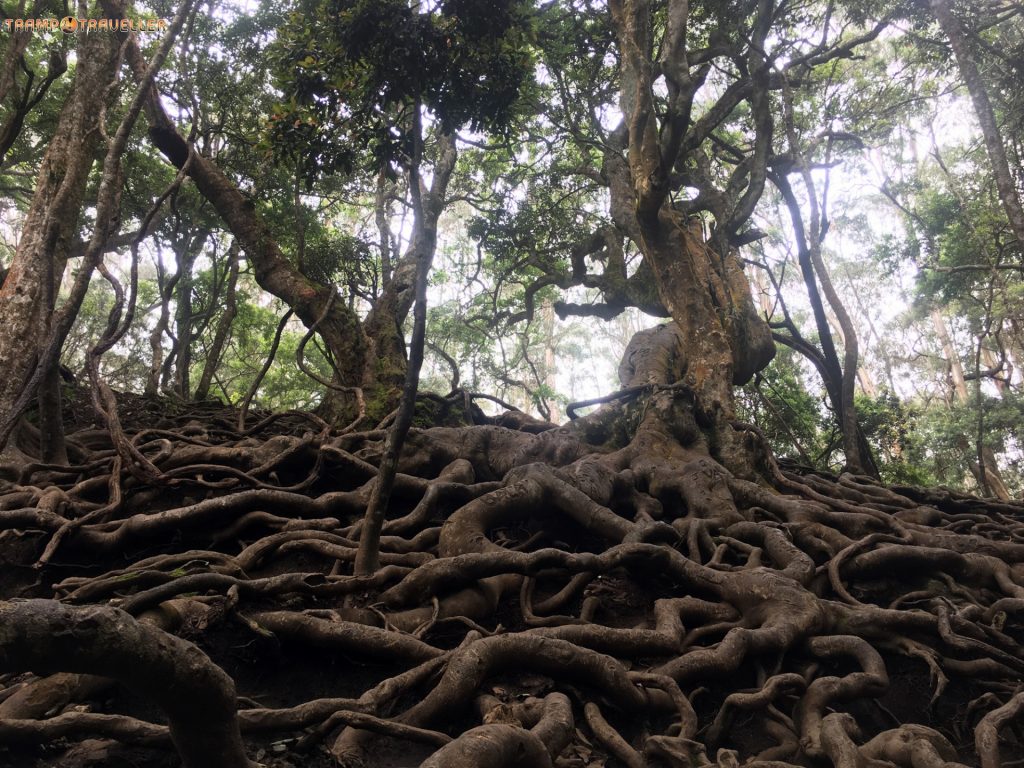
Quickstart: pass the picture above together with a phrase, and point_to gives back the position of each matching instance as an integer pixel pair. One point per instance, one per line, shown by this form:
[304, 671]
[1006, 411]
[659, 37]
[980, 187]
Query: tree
[365, 355]
[968, 66]
[28, 294]
[644, 585]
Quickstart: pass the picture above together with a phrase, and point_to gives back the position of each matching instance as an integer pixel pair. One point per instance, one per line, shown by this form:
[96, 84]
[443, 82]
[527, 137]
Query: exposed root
[610, 591]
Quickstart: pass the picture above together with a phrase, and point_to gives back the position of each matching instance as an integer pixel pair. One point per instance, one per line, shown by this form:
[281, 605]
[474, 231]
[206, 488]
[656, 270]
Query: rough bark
[340, 327]
[51, 225]
[198, 697]
[705, 291]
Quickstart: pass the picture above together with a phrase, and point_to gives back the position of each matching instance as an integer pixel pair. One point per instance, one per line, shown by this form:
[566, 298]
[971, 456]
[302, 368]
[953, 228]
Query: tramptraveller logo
[70, 25]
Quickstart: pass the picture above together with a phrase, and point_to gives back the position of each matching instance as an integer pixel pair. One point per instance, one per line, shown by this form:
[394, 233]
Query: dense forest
[512, 383]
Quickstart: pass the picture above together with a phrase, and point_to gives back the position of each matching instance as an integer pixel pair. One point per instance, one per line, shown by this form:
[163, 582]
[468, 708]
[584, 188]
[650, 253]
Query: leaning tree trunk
[51, 225]
[337, 324]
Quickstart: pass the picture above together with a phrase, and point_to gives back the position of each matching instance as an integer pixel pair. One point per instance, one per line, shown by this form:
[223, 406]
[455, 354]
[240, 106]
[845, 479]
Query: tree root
[552, 597]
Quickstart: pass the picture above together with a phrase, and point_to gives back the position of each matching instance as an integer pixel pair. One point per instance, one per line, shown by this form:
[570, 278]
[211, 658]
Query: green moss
[380, 401]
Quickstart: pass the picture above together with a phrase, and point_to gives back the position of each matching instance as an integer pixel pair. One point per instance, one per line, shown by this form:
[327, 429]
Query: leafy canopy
[350, 85]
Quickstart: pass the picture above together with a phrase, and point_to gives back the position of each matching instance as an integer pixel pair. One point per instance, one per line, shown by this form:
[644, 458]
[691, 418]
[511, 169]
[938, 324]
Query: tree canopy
[512, 382]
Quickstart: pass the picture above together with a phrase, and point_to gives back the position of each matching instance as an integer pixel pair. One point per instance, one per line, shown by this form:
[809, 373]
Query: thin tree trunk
[243, 409]
[985, 471]
[986, 115]
[428, 205]
[956, 369]
[156, 337]
[386, 370]
[550, 374]
[220, 336]
[843, 375]
[27, 99]
[183, 316]
[52, 448]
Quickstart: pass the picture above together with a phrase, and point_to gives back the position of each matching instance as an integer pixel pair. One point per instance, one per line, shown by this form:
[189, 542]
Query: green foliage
[793, 419]
[348, 85]
[284, 386]
[942, 442]
[332, 256]
[126, 366]
[893, 430]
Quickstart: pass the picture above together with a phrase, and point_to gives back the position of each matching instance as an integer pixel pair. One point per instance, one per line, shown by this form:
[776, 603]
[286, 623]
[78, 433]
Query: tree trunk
[956, 368]
[156, 337]
[550, 370]
[387, 361]
[52, 448]
[17, 42]
[185, 253]
[839, 377]
[986, 115]
[428, 206]
[339, 327]
[220, 336]
[991, 480]
[722, 341]
[51, 226]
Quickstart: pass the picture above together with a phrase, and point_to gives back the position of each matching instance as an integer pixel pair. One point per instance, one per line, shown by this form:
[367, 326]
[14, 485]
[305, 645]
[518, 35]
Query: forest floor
[519, 606]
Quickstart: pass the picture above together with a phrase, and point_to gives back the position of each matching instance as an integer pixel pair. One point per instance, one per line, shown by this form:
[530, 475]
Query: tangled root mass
[642, 587]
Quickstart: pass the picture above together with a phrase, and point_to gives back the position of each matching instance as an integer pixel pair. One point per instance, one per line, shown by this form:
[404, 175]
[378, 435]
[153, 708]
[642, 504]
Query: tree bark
[220, 336]
[340, 328]
[703, 287]
[968, 66]
[51, 225]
